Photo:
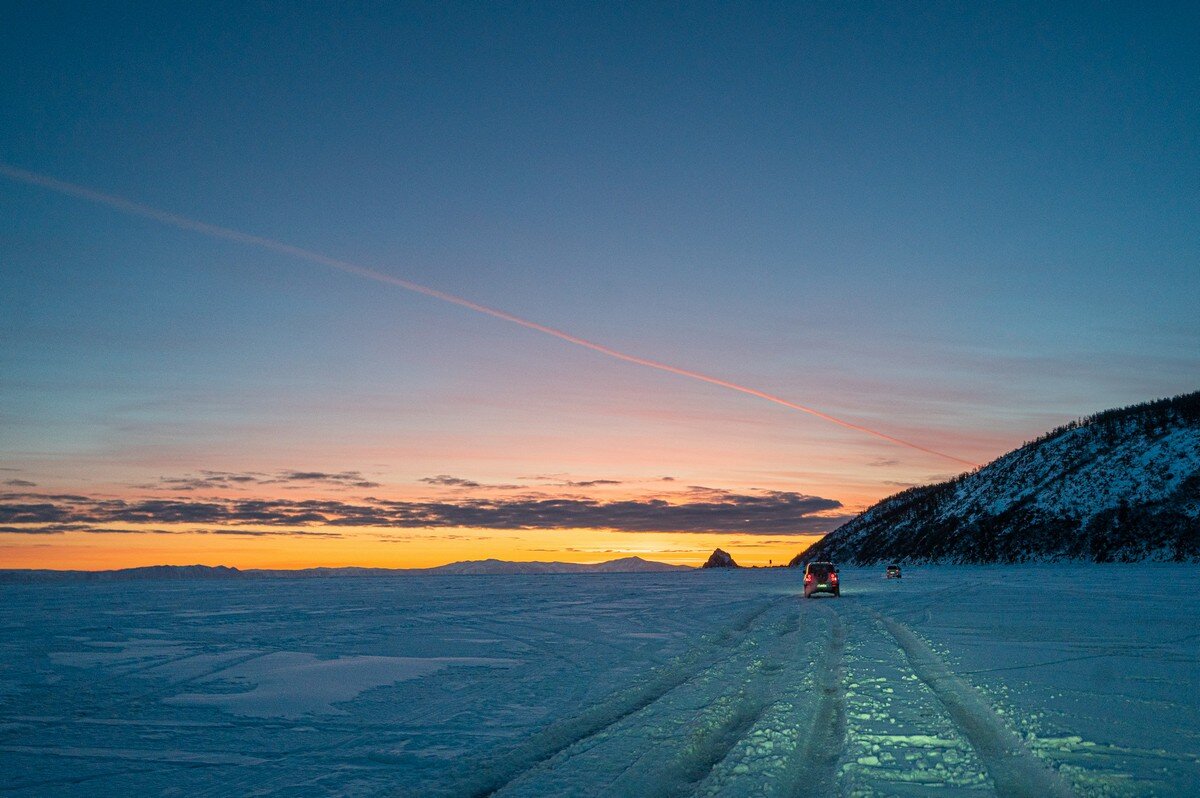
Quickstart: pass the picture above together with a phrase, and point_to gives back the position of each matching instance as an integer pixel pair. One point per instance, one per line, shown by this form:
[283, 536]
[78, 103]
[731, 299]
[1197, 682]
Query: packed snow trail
[899, 738]
[813, 765]
[769, 717]
[492, 774]
[1014, 770]
[965, 681]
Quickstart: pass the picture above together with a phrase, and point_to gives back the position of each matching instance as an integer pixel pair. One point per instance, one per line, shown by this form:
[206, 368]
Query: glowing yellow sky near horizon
[385, 548]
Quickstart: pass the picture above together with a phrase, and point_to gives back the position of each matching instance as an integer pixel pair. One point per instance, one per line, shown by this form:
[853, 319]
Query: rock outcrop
[720, 559]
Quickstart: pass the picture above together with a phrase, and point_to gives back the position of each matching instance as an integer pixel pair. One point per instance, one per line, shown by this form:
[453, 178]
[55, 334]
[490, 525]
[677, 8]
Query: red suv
[821, 577]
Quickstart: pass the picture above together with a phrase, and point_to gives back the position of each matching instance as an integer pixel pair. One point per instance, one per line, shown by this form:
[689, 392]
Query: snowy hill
[1123, 485]
[142, 572]
[629, 565]
[623, 565]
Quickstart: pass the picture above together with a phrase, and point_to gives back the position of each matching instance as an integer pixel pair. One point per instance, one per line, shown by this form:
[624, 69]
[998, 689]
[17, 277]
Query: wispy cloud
[448, 481]
[352, 479]
[225, 480]
[451, 482]
[566, 481]
[43, 529]
[20, 483]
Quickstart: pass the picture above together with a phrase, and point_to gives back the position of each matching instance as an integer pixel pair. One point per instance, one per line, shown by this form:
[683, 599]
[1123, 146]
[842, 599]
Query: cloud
[20, 483]
[884, 462]
[709, 510]
[41, 513]
[58, 529]
[259, 533]
[696, 491]
[45, 529]
[353, 479]
[448, 481]
[451, 482]
[210, 480]
[563, 481]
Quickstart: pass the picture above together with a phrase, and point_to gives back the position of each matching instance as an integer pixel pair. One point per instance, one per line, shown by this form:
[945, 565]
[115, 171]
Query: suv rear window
[820, 570]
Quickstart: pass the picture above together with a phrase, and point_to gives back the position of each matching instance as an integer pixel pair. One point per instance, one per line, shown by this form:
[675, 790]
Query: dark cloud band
[771, 512]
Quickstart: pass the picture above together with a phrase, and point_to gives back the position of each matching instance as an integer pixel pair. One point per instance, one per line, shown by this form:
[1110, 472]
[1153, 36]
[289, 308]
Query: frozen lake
[1047, 680]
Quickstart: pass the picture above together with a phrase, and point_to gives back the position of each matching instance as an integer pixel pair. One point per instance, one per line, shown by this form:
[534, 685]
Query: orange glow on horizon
[383, 548]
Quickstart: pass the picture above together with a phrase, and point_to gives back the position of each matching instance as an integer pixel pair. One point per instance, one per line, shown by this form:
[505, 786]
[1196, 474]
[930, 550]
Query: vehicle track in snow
[766, 720]
[682, 764]
[794, 745]
[1015, 771]
[494, 773]
[813, 767]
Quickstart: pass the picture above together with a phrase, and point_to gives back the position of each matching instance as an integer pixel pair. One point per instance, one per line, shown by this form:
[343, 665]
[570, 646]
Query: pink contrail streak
[215, 231]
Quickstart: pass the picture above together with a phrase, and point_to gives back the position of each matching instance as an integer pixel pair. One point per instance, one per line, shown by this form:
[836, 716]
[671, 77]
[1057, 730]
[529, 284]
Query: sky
[955, 226]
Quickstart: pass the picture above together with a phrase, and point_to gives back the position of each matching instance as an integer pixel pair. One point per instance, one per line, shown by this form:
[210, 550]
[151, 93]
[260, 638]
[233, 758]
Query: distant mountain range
[625, 565]
[1122, 485]
[480, 567]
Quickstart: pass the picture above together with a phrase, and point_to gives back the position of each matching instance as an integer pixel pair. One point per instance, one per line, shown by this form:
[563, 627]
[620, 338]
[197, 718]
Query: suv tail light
[833, 578]
[808, 577]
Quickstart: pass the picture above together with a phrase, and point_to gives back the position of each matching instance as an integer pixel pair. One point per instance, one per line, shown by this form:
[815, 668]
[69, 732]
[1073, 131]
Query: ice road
[954, 681]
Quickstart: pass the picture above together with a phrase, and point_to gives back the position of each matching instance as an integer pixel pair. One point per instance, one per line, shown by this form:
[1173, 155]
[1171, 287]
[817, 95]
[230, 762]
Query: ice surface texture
[1043, 680]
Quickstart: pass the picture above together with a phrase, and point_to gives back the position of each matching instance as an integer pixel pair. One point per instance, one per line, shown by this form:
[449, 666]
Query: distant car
[821, 577]
[893, 572]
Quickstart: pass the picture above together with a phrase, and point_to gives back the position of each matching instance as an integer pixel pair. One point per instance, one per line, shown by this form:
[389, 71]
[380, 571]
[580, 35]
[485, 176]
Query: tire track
[714, 731]
[812, 769]
[1016, 772]
[709, 743]
[498, 771]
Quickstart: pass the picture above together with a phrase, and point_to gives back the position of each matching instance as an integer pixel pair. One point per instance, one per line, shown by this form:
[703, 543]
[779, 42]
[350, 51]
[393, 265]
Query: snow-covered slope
[1122, 485]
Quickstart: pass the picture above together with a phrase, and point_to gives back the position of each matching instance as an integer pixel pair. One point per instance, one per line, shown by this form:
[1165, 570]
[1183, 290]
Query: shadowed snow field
[956, 681]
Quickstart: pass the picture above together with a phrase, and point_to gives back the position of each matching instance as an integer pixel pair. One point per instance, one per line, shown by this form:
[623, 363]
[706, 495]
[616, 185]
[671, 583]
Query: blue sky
[961, 225]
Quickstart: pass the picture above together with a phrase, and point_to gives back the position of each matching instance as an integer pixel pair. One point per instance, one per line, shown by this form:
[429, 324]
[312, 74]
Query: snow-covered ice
[967, 681]
[289, 684]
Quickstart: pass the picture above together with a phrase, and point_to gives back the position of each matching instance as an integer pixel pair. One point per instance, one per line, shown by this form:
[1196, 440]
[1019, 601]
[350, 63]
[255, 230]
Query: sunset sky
[955, 225]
